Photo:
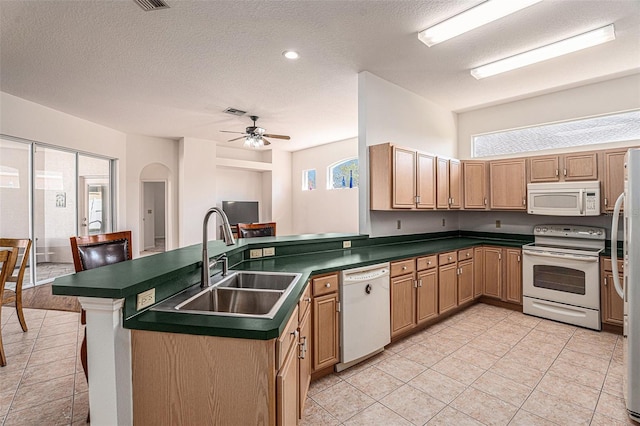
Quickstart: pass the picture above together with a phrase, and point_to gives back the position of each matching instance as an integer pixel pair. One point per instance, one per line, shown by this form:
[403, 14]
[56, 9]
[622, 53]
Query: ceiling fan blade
[231, 140]
[229, 131]
[277, 136]
[265, 142]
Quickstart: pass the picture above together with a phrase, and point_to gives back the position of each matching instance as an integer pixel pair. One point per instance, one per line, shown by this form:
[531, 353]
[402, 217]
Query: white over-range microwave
[564, 198]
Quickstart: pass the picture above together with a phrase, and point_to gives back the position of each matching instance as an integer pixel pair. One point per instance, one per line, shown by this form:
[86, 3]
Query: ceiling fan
[255, 136]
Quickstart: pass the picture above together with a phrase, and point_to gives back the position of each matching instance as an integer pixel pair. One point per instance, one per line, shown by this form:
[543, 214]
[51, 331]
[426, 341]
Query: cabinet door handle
[419, 283]
[518, 258]
[303, 347]
[605, 281]
[557, 172]
[415, 284]
[485, 201]
[307, 299]
[606, 201]
[295, 333]
[417, 199]
[524, 201]
[565, 172]
[449, 258]
[327, 285]
[428, 262]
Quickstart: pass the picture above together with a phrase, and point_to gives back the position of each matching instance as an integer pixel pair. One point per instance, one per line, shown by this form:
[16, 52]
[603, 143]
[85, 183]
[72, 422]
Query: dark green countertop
[163, 270]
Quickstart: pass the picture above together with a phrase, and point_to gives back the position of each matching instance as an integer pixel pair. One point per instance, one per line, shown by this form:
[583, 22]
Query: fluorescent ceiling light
[475, 17]
[553, 50]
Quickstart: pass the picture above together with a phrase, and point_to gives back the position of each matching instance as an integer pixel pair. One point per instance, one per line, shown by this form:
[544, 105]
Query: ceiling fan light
[470, 19]
[553, 50]
[253, 141]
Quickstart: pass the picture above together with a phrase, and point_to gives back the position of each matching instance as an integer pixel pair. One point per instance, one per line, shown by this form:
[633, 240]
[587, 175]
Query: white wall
[277, 191]
[197, 189]
[151, 159]
[239, 185]
[323, 210]
[389, 113]
[610, 96]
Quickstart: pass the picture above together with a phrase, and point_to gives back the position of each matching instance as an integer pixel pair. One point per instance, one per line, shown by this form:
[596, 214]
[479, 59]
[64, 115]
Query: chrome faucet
[228, 238]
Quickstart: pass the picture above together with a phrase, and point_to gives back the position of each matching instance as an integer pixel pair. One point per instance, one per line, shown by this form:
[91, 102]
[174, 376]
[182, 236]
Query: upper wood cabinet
[476, 185]
[508, 184]
[567, 167]
[449, 183]
[613, 178]
[401, 178]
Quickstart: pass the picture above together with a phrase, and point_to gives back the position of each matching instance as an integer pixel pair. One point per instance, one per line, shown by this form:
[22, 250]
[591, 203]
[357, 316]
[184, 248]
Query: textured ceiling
[171, 72]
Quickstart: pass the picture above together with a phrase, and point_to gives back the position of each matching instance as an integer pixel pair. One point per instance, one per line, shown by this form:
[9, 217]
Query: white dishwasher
[365, 313]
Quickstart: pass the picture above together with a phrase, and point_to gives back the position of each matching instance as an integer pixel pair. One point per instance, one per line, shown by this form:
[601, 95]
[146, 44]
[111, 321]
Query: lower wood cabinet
[612, 304]
[325, 311]
[427, 295]
[287, 381]
[478, 271]
[492, 286]
[403, 296]
[304, 361]
[447, 287]
[514, 276]
[465, 281]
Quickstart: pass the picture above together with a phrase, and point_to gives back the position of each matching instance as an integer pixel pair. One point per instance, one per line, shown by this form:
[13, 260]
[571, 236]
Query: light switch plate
[269, 251]
[346, 244]
[146, 298]
[255, 253]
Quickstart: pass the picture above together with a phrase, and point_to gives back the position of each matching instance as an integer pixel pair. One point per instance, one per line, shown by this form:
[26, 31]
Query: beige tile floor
[485, 365]
[43, 382]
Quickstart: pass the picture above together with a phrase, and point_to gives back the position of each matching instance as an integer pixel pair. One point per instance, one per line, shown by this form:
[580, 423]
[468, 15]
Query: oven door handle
[566, 256]
[582, 202]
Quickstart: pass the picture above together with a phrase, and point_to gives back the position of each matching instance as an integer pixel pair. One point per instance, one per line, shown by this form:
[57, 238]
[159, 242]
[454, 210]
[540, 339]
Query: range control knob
[537, 229]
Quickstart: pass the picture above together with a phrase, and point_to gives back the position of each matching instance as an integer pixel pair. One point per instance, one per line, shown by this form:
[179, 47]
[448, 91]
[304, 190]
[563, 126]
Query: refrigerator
[629, 288]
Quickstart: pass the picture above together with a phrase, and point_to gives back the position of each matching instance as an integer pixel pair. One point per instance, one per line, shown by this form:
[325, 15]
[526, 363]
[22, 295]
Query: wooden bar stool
[16, 295]
[8, 259]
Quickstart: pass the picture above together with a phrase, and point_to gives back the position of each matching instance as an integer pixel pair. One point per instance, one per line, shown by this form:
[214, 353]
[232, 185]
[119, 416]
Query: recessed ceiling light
[290, 54]
[553, 50]
[475, 17]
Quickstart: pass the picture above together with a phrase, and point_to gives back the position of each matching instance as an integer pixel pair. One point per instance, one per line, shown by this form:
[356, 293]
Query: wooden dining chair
[8, 259]
[15, 295]
[249, 230]
[94, 251]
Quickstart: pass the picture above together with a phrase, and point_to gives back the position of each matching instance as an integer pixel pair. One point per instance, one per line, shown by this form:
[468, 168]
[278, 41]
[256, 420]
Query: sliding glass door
[49, 194]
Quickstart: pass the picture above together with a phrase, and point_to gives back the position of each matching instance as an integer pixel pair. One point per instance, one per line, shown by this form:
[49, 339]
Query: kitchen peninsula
[109, 296]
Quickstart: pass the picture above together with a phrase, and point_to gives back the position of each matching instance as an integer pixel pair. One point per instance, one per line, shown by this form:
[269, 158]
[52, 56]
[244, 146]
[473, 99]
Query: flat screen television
[241, 211]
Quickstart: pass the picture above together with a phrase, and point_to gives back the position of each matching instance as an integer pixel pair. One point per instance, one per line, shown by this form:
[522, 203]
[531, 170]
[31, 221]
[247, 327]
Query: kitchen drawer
[304, 303]
[403, 267]
[427, 262]
[465, 254]
[325, 285]
[288, 338]
[607, 265]
[446, 258]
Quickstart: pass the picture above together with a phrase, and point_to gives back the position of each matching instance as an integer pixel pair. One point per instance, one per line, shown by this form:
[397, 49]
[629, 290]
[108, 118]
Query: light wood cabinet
[325, 308]
[613, 180]
[508, 184]
[465, 281]
[476, 185]
[427, 293]
[478, 271]
[447, 287]
[287, 390]
[493, 272]
[304, 362]
[401, 178]
[514, 276]
[612, 303]
[567, 167]
[403, 302]
[425, 181]
[449, 183]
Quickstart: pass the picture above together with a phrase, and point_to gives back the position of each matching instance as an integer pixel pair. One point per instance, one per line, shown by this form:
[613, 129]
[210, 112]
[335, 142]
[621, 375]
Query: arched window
[343, 174]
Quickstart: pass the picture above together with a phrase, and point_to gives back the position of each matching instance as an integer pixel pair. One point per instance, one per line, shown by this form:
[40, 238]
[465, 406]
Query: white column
[109, 361]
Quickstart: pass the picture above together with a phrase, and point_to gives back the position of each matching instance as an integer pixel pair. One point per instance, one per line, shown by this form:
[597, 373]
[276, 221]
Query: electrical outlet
[146, 298]
[498, 224]
[444, 222]
[255, 253]
[269, 251]
[399, 224]
[346, 244]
